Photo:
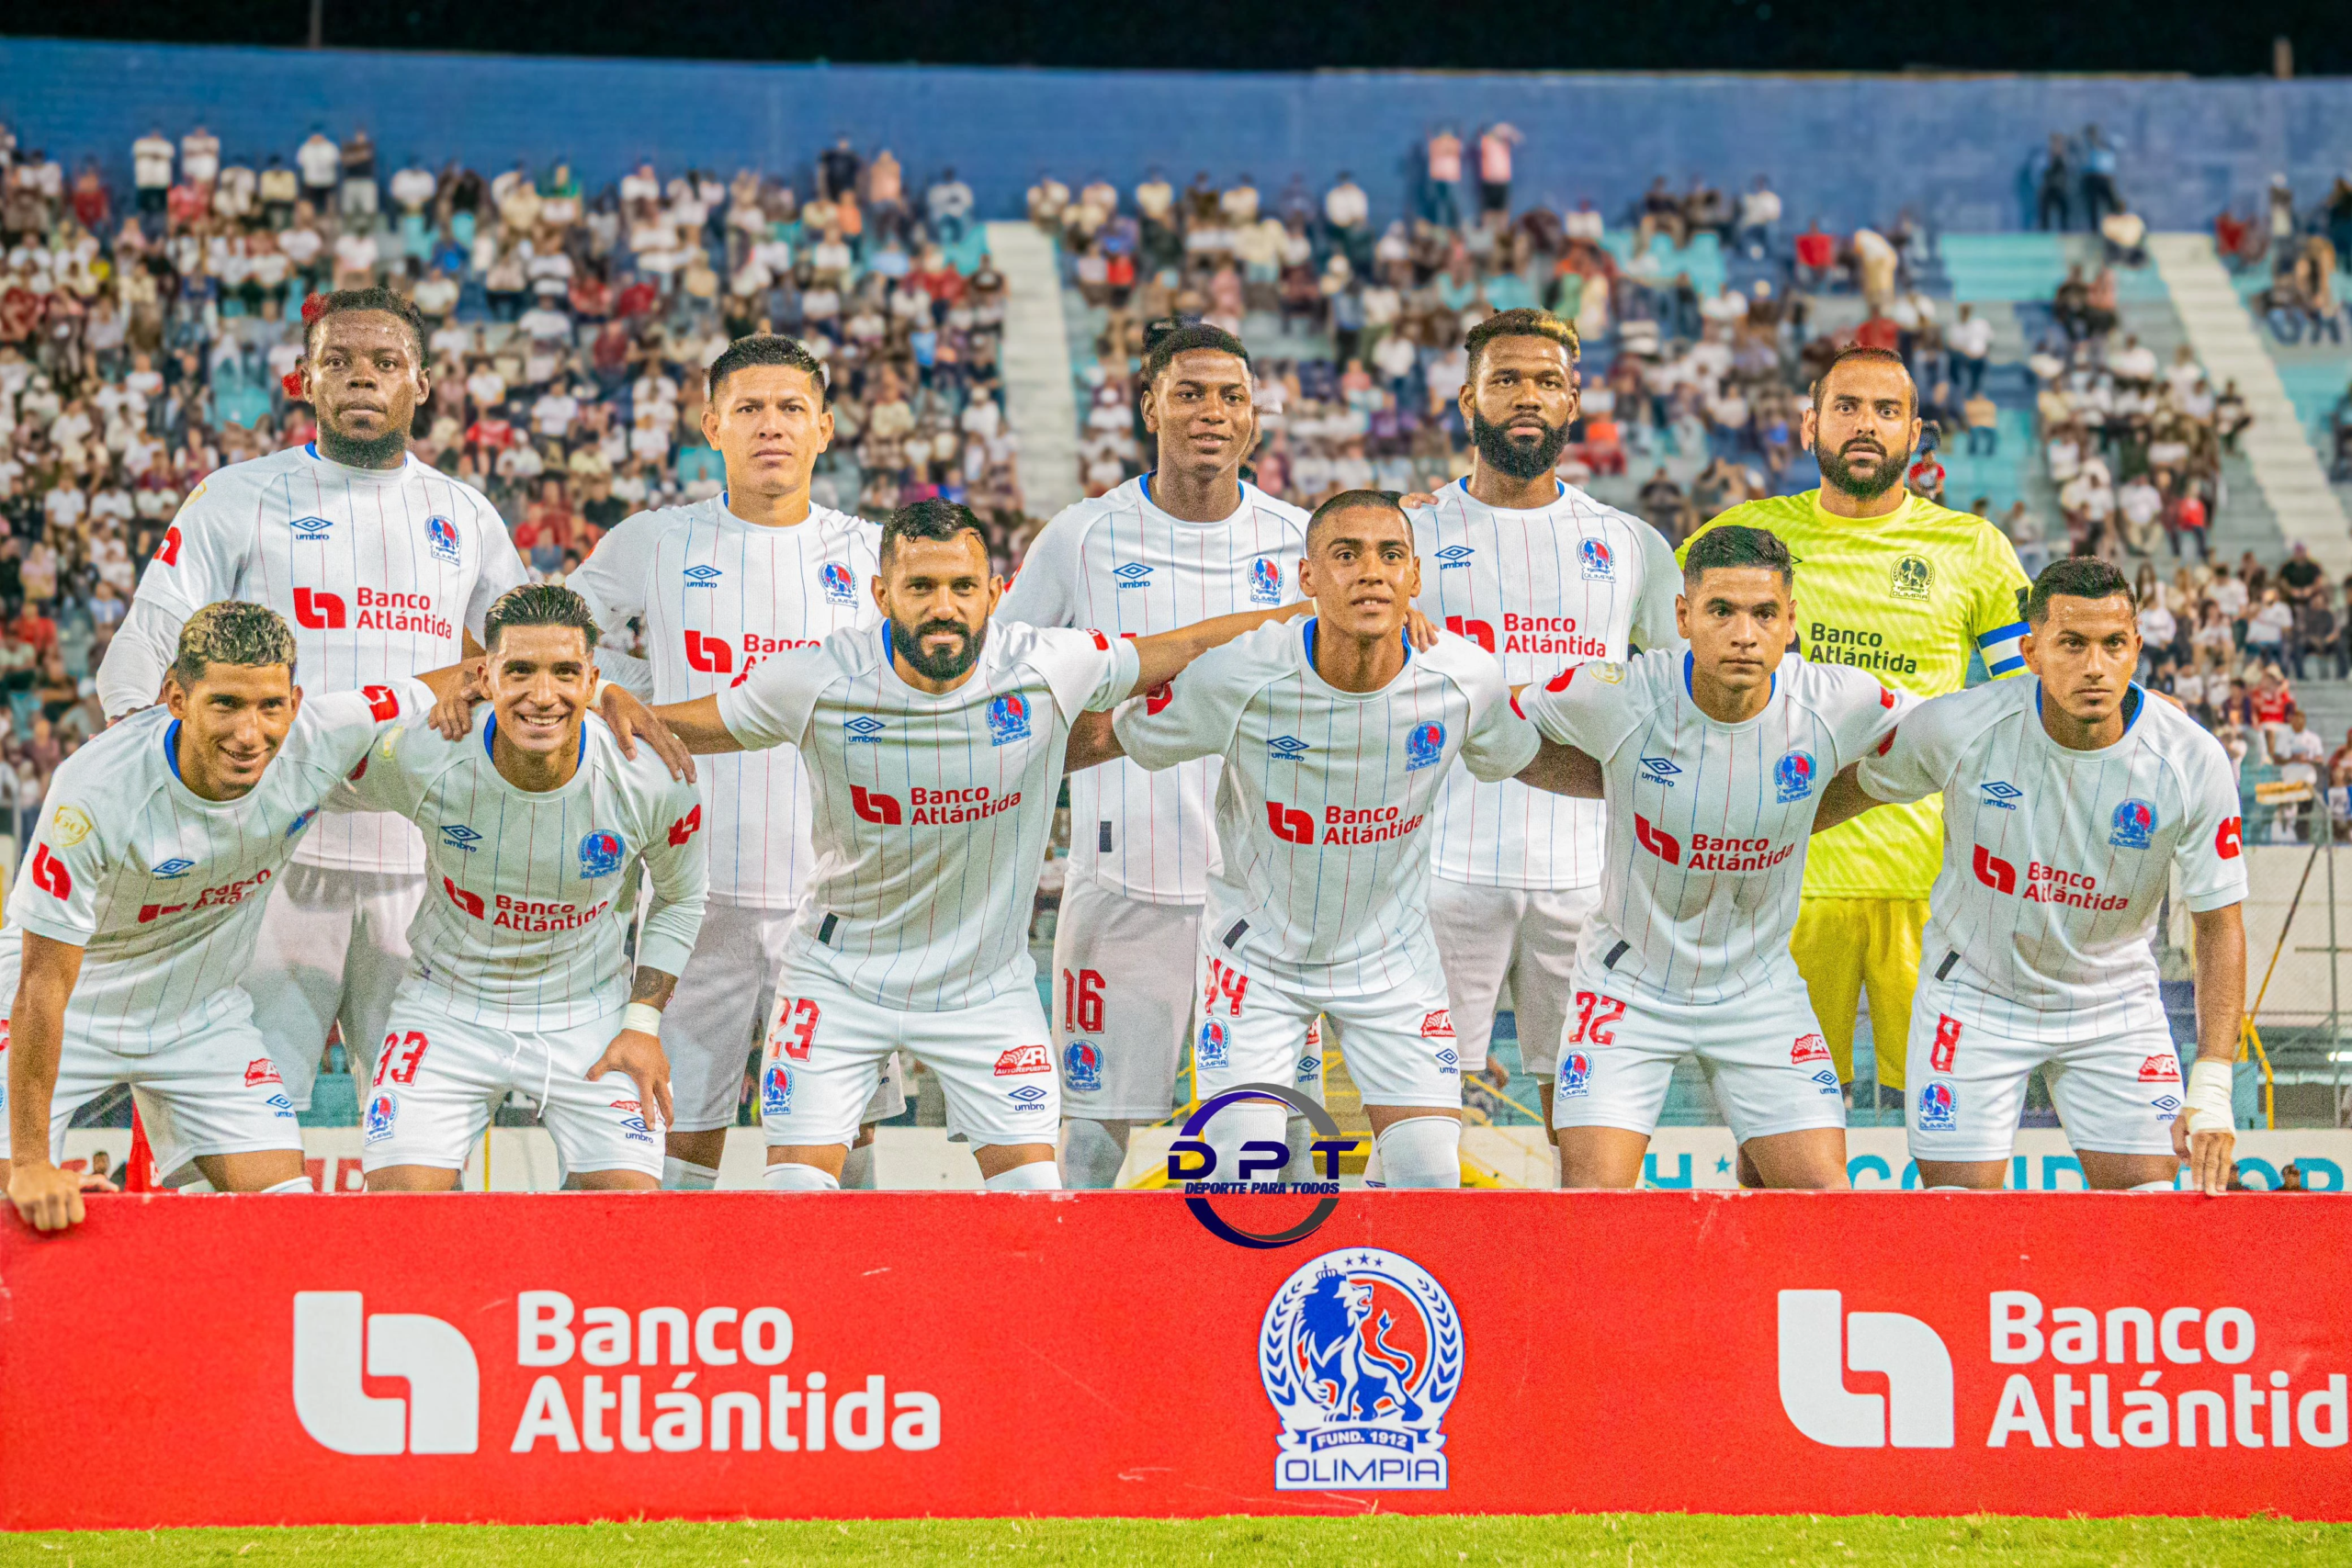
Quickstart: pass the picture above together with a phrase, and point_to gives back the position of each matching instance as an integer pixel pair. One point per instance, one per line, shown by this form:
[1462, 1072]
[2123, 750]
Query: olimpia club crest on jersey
[1081, 1067]
[1792, 776]
[2135, 821]
[1600, 565]
[1424, 746]
[1912, 576]
[1361, 1353]
[840, 587]
[1008, 719]
[442, 535]
[1265, 582]
[600, 853]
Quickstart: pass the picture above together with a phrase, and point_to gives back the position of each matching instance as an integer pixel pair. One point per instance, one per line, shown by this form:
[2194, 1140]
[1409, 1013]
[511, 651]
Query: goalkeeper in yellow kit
[1890, 582]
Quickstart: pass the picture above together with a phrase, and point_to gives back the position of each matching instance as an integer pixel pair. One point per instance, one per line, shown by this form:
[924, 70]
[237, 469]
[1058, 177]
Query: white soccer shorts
[438, 1079]
[333, 944]
[1398, 1044]
[713, 1022]
[2117, 1092]
[1122, 1009]
[1526, 935]
[213, 1093]
[826, 1046]
[1763, 1053]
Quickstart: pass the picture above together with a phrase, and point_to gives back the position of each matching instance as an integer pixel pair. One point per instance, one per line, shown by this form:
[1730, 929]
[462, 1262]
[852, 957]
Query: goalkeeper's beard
[1840, 475]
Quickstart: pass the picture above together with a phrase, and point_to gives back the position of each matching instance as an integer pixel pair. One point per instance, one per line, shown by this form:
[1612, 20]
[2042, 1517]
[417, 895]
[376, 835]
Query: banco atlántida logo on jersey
[1361, 1353]
[1826, 644]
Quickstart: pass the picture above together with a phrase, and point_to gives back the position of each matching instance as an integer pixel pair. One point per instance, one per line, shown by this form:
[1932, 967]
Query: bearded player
[1713, 760]
[1907, 591]
[541, 830]
[1336, 738]
[935, 745]
[384, 566]
[1539, 574]
[2071, 800]
[717, 586]
[134, 918]
[1188, 540]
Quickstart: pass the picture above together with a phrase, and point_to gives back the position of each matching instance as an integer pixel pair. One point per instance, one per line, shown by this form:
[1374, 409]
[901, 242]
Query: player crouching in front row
[133, 920]
[1713, 762]
[2070, 799]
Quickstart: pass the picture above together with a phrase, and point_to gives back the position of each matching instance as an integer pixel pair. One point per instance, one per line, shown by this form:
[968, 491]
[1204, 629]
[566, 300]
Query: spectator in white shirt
[413, 187]
[1759, 210]
[2268, 628]
[321, 162]
[1969, 343]
[150, 169]
[200, 157]
[2141, 504]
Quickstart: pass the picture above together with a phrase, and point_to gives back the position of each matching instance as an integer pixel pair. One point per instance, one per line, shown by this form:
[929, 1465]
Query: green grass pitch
[1620, 1540]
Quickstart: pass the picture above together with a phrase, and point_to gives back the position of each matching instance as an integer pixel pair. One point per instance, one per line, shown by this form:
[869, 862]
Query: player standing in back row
[383, 567]
[1184, 542]
[1539, 574]
[718, 586]
[2071, 798]
[1904, 590]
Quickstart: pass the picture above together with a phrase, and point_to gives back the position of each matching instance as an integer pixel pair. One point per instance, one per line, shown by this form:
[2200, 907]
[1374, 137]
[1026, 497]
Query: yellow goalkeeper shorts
[1845, 947]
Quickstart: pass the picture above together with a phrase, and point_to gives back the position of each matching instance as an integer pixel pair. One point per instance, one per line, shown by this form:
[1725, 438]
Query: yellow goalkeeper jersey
[1907, 597]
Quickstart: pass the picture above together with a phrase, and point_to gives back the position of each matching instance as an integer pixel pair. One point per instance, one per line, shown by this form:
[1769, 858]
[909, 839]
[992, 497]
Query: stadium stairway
[2282, 464]
[1039, 401]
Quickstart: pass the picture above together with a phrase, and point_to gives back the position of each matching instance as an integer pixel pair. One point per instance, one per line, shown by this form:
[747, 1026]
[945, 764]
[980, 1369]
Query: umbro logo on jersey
[703, 576]
[1453, 556]
[1288, 748]
[173, 867]
[1134, 574]
[311, 527]
[1659, 770]
[2001, 795]
[458, 836]
[863, 727]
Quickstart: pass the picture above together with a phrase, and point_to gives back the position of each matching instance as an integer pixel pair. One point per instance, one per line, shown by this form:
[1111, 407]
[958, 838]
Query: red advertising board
[543, 1358]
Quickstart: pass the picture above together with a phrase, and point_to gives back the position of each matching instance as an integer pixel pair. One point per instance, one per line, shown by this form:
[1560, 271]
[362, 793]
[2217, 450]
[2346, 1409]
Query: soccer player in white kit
[133, 918]
[717, 586]
[1188, 540]
[1537, 574]
[2071, 798]
[1713, 764]
[1336, 739]
[384, 566]
[537, 830]
[935, 743]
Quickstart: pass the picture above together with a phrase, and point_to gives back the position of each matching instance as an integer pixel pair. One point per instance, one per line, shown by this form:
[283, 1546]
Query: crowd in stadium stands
[145, 336]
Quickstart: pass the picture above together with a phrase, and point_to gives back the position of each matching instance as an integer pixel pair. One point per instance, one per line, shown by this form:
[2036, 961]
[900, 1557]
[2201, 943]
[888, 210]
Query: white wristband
[2207, 1100]
[645, 1019]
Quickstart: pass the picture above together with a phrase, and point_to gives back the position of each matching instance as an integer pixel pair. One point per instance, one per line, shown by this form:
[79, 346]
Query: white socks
[1422, 1151]
[1094, 1153]
[857, 1170]
[296, 1184]
[1037, 1176]
[2156, 1187]
[685, 1176]
[798, 1179]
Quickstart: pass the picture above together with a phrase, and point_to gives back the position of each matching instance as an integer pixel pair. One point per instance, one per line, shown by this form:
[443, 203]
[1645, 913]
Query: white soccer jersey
[715, 595]
[1324, 798]
[380, 572]
[1120, 563]
[1708, 822]
[162, 887]
[1537, 589]
[2055, 860]
[529, 894]
[932, 812]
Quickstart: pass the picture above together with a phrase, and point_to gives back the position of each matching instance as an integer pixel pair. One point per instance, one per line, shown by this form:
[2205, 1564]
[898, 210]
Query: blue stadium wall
[1851, 149]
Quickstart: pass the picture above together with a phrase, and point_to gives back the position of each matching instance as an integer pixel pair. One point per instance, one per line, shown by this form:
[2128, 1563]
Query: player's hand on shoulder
[1420, 630]
[630, 720]
[48, 1198]
[453, 716]
[1413, 501]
